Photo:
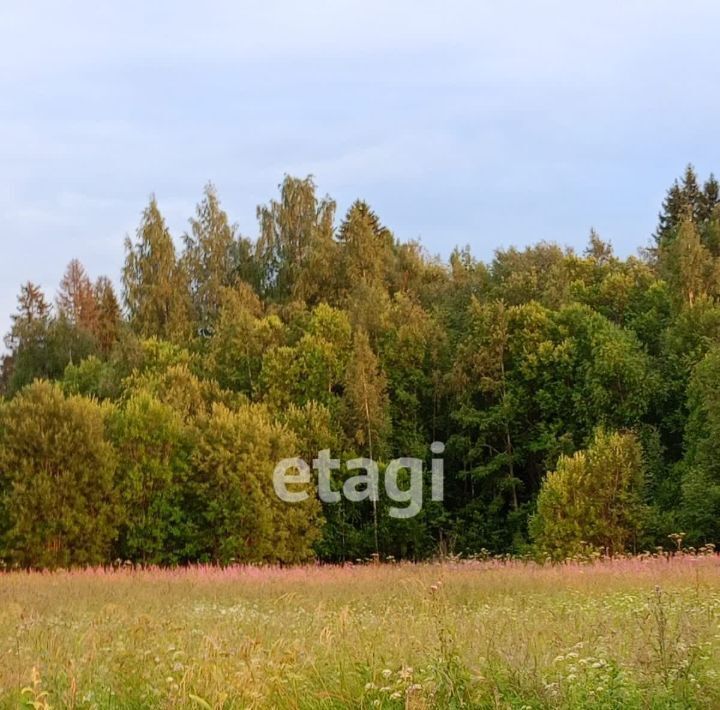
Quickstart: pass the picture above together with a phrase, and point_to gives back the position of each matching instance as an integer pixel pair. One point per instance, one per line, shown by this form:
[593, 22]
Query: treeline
[145, 426]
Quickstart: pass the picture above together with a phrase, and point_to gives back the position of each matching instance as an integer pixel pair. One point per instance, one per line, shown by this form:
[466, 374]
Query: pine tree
[482, 382]
[709, 199]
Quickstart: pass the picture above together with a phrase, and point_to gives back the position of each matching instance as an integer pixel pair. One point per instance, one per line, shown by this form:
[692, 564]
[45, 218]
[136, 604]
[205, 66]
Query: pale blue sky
[460, 122]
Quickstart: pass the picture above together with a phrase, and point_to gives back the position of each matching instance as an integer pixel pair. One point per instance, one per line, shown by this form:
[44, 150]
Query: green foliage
[319, 334]
[242, 518]
[295, 238]
[593, 501]
[156, 289]
[56, 471]
[241, 337]
[211, 257]
[700, 477]
[153, 482]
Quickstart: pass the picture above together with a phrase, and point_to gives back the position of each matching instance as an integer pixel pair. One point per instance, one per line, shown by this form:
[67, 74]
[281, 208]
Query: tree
[688, 266]
[537, 273]
[366, 404]
[243, 519]
[108, 323]
[211, 256]
[241, 337]
[293, 231]
[593, 501]
[56, 478]
[700, 469]
[366, 248]
[485, 404]
[410, 353]
[32, 318]
[599, 251]
[28, 340]
[682, 202]
[687, 201]
[76, 299]
[156, 292]
[314, 368]
[153, 445]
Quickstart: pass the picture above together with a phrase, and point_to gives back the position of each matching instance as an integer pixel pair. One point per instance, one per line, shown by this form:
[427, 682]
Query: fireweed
[296, 472]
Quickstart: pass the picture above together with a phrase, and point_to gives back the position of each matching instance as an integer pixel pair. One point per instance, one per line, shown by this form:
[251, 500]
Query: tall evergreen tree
[366, 248]
[28, 339]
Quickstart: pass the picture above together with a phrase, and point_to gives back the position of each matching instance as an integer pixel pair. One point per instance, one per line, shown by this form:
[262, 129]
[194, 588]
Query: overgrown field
[640, 633]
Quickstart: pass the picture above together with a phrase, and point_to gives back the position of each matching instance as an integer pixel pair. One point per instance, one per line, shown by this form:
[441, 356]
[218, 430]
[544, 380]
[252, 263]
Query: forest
[577, 394]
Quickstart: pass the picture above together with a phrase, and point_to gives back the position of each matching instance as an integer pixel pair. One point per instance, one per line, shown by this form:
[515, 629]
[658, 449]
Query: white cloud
[463, 121]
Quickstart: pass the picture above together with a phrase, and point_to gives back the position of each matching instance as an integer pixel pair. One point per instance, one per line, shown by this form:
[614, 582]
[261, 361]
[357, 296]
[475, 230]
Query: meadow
[631, 633]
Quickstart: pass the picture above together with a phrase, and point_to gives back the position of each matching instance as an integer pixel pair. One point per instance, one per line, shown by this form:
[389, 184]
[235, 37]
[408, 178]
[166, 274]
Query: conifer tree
[366, 248]
[28, 339]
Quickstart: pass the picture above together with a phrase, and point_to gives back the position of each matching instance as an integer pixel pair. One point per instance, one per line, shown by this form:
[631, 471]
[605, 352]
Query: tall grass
[632, 633]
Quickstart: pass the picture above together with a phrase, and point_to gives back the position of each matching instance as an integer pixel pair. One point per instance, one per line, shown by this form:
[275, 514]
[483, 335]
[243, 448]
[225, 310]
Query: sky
[482, 123]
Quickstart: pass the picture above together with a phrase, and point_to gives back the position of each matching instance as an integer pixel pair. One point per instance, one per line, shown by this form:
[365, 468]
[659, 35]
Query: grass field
[640, 633]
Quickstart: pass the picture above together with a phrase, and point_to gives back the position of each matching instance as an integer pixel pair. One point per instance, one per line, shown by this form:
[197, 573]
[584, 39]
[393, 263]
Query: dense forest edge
[577, 395]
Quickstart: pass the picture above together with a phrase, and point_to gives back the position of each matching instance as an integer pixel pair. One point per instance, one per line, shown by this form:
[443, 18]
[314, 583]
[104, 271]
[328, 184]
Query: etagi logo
[365, 486]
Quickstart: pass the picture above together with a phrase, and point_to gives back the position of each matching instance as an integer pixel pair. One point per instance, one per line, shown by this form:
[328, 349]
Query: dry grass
[639, 633]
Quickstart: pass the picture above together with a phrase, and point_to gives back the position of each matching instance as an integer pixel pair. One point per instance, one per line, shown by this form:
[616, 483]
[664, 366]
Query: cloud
[460, 121]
